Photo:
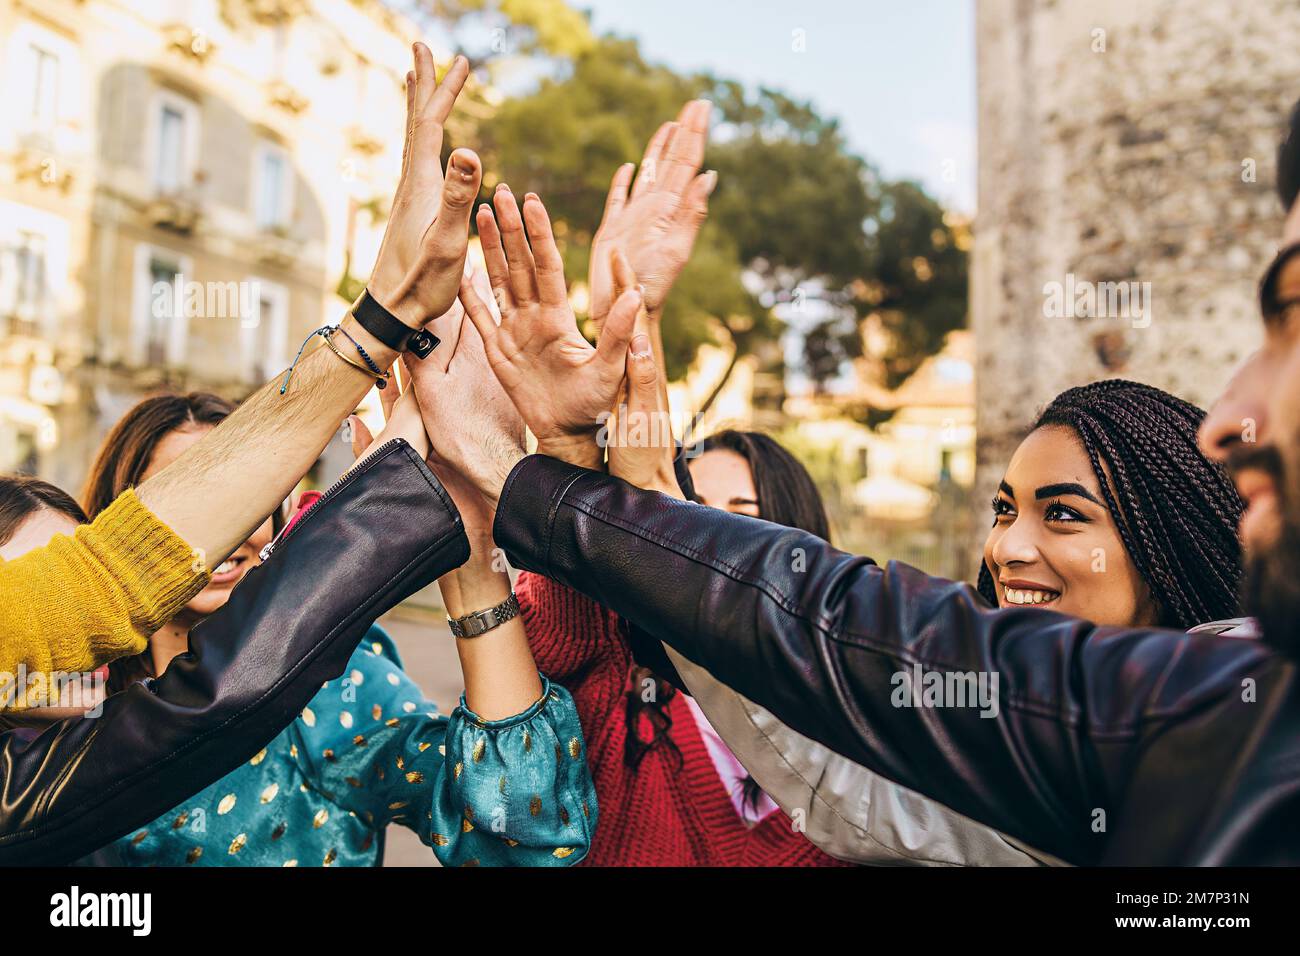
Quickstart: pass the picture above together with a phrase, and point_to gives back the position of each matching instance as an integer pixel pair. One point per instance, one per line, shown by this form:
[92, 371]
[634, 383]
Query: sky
[900, 77]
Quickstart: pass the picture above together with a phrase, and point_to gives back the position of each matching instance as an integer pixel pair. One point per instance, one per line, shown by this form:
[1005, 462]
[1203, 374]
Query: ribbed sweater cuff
[157, 571]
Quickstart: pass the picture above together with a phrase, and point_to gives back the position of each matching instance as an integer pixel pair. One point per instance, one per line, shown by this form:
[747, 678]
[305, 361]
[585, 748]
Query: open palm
[654, 221]
[557, 380]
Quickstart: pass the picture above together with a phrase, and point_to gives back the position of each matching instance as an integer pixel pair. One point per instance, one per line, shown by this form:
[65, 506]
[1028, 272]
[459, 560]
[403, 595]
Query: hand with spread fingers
[418, 269]
[655, 220]
[559, 383]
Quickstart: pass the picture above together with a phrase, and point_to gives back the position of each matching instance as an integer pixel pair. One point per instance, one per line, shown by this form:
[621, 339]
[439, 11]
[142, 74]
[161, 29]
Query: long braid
[1176, 511]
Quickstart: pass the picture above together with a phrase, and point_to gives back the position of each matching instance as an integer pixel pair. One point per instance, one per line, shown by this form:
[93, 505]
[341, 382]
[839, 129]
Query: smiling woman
[1108, 511]
[147, 439]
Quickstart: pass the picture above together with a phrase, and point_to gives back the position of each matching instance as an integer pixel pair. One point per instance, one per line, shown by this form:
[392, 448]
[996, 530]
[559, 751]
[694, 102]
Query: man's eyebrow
[1006, 489]
[1065, 488]
[1271, 305]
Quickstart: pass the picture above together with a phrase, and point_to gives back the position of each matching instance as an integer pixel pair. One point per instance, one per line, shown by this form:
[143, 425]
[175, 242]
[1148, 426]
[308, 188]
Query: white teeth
[1023, 596]
[225, 566]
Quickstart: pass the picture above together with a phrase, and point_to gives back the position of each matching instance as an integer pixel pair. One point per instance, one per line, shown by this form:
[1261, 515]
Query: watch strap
[391, 330]
[480, 622]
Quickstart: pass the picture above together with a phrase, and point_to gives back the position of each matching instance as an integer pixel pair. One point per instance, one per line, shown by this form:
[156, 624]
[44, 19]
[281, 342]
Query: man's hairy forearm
[217, 493]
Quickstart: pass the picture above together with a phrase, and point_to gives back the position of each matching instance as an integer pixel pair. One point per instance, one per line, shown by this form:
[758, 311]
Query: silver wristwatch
[480, 622]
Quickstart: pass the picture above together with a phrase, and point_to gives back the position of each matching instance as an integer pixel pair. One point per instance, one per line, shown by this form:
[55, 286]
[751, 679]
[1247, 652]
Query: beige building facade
[1126, 197]
[185, 189]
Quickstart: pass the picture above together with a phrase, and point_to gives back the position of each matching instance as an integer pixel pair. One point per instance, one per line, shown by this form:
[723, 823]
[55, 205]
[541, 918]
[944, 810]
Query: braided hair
[1176, 511]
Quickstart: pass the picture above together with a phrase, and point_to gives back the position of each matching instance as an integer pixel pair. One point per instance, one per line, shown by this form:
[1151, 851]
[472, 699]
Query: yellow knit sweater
[83, 601]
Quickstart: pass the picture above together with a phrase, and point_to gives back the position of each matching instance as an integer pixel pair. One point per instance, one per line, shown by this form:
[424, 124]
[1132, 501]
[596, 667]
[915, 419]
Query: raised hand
[559, 383]
[641, 447]
[655, 221]
[418, 269]
[474, 430]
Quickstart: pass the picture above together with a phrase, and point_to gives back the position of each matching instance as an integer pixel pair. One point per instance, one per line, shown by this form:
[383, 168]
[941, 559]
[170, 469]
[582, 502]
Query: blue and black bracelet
[326, 332]
[365, 357]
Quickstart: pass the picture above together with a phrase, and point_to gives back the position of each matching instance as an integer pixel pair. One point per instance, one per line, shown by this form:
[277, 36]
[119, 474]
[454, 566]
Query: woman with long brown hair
[671, 791]
[147, 439]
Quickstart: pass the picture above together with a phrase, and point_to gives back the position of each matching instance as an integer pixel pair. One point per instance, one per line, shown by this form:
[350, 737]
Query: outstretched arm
[215, 494]
[291, 624]
[1023, 719]
[81, 601]
[393, 758]
[844, 652]
[462, 402]
[148, 555]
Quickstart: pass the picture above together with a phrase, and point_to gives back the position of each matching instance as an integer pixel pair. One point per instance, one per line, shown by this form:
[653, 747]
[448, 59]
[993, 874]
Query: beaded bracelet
[370, 363]
[326, 332]
[381, 379]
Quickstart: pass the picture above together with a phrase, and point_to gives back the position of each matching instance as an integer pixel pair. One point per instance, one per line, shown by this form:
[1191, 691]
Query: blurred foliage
[799, 198]
[795, 215]
[549, 27]
[917, 278]
[828, 345]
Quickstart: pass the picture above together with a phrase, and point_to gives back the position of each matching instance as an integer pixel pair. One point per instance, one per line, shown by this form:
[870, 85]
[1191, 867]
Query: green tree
[917, 277]
[506, 27]
[796, 215]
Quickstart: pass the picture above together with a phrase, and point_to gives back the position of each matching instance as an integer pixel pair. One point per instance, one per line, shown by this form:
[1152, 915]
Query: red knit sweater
[662, 814]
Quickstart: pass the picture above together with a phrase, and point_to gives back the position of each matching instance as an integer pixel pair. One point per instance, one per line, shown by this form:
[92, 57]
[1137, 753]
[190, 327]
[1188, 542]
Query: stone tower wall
[1128, 164]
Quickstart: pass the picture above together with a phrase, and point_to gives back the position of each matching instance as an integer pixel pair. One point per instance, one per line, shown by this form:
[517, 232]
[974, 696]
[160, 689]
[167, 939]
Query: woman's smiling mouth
[1022, 596]
[229, 570]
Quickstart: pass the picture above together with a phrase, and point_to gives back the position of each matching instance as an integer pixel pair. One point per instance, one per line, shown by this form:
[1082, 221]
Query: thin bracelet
[381, 378]
[325, 331]
[370, 363]
[284, 386]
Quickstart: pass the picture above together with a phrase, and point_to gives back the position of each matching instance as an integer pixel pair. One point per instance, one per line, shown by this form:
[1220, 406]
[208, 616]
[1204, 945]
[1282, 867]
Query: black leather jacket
[382, 532]
[1109, 746]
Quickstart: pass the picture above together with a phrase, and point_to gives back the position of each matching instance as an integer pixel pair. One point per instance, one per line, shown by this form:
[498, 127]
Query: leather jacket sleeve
[1095, 744]
[382, 532]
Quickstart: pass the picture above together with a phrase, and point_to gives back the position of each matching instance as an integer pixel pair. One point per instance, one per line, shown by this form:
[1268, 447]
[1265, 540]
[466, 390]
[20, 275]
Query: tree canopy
[796, 214]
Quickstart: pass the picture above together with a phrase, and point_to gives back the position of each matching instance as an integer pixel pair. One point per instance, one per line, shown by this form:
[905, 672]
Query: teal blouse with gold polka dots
[370, 750]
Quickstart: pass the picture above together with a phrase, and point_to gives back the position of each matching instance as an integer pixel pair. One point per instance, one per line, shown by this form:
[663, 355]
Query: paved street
[429, 654]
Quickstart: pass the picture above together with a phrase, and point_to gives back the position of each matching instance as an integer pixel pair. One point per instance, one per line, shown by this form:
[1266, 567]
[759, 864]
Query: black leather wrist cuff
[390, 330]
